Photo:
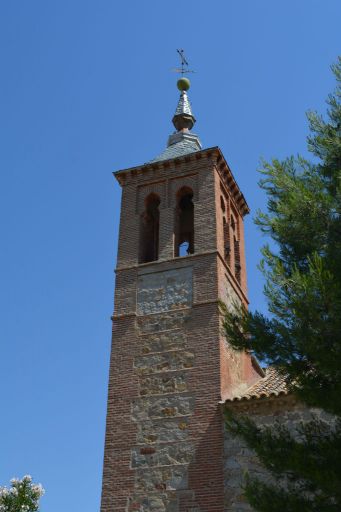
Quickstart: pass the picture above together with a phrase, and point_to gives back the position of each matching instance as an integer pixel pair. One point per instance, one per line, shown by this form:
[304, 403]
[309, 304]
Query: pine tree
[301, 337]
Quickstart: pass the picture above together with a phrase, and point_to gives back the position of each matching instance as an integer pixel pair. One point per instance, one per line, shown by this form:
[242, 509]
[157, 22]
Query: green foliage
[309, 465]
[302, 335]
[23, 496]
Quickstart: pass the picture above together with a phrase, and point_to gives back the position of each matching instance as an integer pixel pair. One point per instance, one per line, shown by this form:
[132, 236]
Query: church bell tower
[181, 249]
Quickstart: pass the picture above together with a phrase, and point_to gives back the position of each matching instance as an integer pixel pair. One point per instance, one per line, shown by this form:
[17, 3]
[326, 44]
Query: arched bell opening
[184, 223]
[149, 230]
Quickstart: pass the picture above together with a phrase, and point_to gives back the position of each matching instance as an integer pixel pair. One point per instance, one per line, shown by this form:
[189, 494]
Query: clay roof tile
[272, 384]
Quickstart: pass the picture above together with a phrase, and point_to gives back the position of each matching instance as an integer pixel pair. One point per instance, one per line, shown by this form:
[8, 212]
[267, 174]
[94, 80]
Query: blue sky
[86, 89]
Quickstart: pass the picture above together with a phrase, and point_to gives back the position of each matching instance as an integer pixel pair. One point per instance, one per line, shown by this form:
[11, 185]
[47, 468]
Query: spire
[183, 141]
[183, 118]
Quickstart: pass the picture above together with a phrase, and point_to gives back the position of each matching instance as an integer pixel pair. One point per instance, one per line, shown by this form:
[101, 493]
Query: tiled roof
[179, 149]
[273, 384]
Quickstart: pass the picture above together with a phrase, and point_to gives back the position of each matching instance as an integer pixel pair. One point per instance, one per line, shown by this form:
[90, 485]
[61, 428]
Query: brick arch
[182, 191]
[152, 196]
[151, 188]
[149, 229]
[178, 183]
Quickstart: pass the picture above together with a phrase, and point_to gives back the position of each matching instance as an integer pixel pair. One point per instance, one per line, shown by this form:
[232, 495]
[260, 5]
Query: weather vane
[184, 64]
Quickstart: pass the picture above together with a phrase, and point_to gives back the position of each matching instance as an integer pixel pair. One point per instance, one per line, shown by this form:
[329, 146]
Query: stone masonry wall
[164, 438]
[238, 458]
[162, 412]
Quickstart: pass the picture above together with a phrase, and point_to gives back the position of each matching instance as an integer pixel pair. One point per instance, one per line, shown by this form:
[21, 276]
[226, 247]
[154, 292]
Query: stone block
[162, 407]
[168, 455]
[155, 363]
[164, 291]
[162, 431]
[162, 322]
[160, 479]
[162, 385]
[163, 502]
[172, 340]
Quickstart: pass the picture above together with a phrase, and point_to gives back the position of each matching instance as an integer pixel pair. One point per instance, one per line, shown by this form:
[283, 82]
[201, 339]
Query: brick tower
[181, 248]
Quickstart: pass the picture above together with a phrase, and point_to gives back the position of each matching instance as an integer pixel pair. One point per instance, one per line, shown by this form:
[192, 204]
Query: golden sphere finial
[183, 84]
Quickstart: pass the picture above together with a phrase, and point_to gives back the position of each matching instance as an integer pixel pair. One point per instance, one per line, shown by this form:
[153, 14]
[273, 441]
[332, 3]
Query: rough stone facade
[238, 458]
[163, 450]
[170, 367]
